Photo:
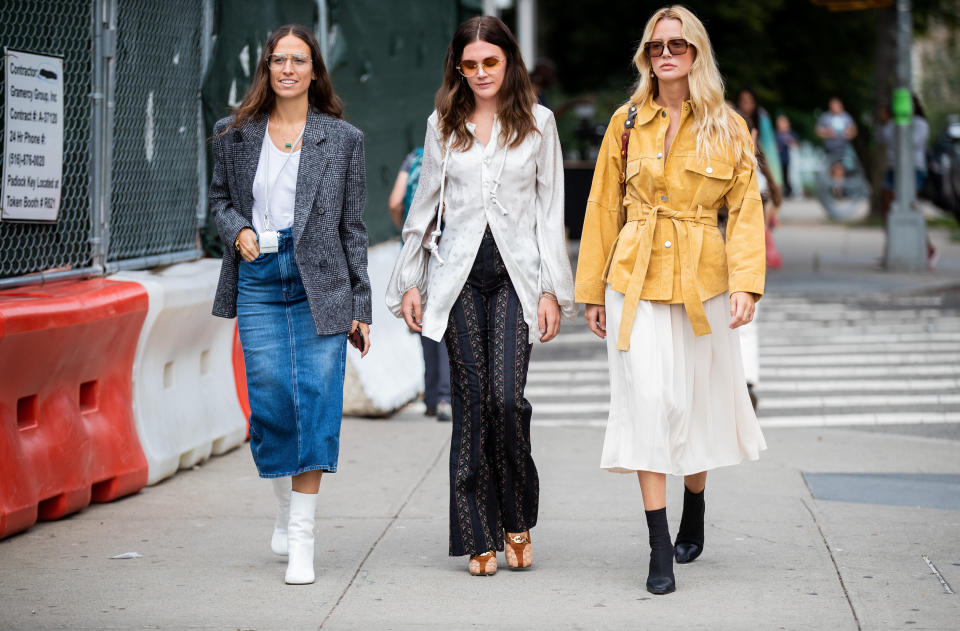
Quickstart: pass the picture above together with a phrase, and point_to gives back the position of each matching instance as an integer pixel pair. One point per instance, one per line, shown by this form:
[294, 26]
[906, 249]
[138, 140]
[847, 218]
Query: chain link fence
[133, 152]
[54, 27]
[155, 196]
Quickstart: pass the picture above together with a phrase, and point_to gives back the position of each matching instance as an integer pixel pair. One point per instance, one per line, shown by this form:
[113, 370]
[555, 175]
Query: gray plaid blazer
[329, 236]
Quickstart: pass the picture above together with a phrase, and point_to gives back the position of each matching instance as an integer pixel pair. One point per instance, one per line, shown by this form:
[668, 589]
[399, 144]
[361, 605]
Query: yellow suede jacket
[661, 242]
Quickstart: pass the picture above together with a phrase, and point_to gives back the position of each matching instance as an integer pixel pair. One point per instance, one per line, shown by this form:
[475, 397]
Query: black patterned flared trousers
[493, 481]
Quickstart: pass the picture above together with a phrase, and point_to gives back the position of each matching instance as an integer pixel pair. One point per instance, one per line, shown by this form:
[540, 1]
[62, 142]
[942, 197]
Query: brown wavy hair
[454, 100]
[260, 97]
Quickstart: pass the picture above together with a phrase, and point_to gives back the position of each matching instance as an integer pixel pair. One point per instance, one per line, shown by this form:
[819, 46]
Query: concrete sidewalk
[775, 557]
[823, 257]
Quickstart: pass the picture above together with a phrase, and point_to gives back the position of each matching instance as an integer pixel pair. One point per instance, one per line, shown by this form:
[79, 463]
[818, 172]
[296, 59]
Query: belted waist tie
[689, 228]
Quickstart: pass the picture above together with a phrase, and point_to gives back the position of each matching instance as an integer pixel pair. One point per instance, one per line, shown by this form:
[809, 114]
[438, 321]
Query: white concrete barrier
[391, 375]
[184, 394]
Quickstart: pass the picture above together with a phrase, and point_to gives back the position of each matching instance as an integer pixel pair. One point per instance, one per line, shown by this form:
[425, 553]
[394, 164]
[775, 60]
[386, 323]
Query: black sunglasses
[677, 46]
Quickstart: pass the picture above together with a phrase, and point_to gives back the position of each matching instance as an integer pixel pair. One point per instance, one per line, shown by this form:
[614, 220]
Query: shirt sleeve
[602, 220]
[412, 265]
[555, 274]
[746, 246]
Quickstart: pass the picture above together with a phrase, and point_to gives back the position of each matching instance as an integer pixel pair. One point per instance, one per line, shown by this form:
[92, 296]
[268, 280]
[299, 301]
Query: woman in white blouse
[484, 266]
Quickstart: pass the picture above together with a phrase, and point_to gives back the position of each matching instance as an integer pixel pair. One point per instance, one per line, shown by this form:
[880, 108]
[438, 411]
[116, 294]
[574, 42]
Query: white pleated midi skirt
[678, 403]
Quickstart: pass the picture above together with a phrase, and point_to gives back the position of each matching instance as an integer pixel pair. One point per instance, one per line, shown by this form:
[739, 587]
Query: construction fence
[131, 195]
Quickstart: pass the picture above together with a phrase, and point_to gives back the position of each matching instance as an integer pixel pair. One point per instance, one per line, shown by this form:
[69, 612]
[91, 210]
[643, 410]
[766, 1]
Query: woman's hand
[249, 248]
[742, 305]
[410, 307]
[365, 332]
[548, 317]
[597, 320]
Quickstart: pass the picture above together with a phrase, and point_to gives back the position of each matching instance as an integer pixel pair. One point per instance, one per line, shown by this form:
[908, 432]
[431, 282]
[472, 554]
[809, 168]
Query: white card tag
[269, 242]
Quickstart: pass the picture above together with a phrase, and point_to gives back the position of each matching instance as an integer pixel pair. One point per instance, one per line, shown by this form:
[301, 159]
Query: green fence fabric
[388, 63]
[155, 189]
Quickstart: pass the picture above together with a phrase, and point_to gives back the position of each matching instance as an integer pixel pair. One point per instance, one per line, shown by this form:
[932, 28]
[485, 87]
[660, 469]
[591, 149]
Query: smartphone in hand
[356, 338]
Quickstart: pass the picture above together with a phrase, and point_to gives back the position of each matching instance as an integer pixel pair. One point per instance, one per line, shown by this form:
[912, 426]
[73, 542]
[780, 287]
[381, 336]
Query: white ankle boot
[303, 507]
[278, 542]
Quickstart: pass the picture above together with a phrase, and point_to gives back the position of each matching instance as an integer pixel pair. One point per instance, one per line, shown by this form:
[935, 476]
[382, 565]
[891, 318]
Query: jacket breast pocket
[712, 180]
[640, 176]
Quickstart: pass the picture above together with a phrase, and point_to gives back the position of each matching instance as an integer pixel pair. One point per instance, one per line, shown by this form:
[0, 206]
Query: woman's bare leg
[696, 482]
[307, 482]
[653, 486]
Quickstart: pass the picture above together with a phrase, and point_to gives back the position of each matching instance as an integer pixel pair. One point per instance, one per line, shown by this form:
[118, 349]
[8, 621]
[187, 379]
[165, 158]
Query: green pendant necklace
[288, 145]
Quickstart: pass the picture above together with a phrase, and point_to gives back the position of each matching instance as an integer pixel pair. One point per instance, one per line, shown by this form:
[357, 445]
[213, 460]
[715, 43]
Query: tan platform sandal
[520, 546]
[483, 564]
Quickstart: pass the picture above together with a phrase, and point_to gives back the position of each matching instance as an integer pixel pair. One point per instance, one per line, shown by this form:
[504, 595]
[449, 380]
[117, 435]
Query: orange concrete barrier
[67, 434]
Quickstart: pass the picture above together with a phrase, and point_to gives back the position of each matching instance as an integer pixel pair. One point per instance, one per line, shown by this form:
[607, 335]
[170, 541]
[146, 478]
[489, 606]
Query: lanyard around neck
[266, 176]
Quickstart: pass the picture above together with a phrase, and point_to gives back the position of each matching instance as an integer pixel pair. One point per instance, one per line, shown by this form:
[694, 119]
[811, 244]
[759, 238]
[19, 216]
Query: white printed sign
[32, 137]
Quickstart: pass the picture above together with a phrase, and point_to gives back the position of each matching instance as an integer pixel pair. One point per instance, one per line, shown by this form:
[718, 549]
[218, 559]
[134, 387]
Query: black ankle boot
[689, 543]
[660, 579]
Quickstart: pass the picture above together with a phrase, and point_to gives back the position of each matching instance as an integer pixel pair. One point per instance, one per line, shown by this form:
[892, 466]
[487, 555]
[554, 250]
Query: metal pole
[206, 51]
[154, 260]
[324, 32]
[42, 278]
[97, 89]
[526, 31]
[906, 228]
[490, 8]
[104, 106]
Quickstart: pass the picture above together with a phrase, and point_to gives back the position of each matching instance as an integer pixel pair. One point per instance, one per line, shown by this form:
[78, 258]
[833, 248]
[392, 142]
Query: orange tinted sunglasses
[468, 67]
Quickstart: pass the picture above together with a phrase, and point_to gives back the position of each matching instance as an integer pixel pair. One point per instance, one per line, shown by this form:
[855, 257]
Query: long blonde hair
[715, 122]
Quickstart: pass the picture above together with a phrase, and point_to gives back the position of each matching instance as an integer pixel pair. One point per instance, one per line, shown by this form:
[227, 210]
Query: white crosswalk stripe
[860, 362]
[857, 361]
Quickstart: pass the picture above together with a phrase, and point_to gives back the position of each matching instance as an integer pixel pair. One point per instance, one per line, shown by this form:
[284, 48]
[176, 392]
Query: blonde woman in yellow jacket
[665, 288]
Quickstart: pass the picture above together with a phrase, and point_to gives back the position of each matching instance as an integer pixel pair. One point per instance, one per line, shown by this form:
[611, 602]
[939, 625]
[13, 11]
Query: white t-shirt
[283, 186]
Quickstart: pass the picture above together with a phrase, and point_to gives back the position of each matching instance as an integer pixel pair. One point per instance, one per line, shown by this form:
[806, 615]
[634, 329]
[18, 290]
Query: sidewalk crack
[444, 448]
[833, 560]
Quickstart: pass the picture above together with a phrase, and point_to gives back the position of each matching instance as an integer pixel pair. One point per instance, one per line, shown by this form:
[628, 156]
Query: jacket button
[709, 169]
[320, 210]
[659, 155]
[667, 244]
[663, 198]
[663, 114]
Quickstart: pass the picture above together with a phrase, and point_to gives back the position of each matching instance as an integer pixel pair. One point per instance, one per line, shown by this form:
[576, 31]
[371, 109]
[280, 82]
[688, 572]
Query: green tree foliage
[793, 54]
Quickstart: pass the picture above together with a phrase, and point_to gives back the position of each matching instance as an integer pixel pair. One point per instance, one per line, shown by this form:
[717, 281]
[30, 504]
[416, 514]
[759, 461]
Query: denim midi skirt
[294, 376]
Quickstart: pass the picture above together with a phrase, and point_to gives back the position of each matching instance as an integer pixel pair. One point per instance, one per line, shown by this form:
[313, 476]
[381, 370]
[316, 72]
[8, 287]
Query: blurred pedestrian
[436, 364]
[655, 270]
[768, 177]
[837, 129]
[769, 174]
[920, 133]
[495, 277]
[287, 194]
[407, 178]
[787, 142]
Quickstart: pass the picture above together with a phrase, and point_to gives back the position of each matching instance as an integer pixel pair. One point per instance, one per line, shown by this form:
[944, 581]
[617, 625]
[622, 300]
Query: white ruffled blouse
[524, 211]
